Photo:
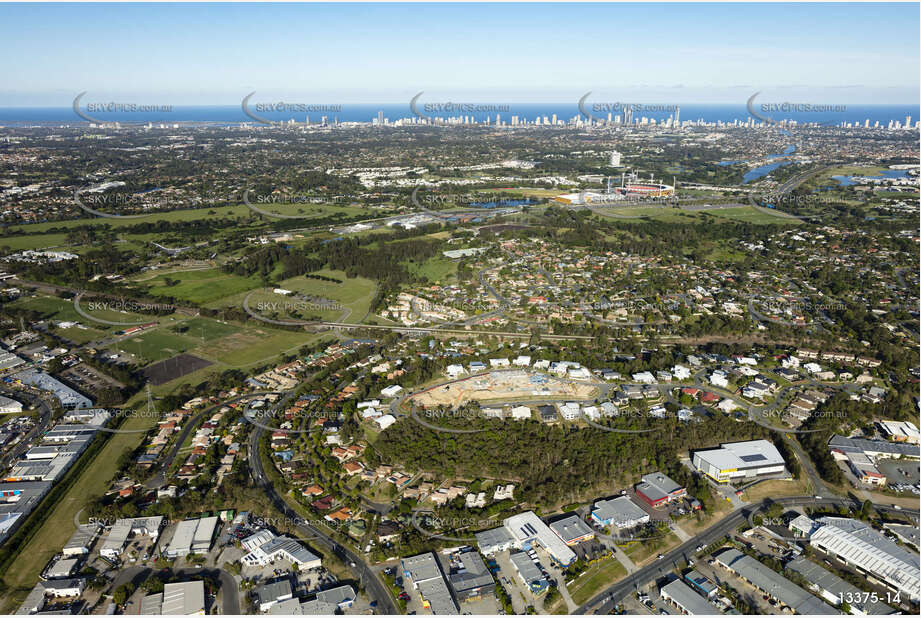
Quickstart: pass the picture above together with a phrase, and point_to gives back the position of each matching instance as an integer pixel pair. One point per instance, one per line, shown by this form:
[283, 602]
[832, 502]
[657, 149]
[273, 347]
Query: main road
[604, 602]
[363, 573]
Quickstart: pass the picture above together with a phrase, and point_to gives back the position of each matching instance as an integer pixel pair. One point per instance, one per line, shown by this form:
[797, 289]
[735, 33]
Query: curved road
[366, 577]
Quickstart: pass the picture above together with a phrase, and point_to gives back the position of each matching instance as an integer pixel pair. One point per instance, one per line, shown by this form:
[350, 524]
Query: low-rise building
[738, 461]
[620, 512]
[657, 489]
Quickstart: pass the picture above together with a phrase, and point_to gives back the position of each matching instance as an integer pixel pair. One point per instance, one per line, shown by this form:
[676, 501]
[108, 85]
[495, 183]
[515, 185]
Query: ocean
[233, 114]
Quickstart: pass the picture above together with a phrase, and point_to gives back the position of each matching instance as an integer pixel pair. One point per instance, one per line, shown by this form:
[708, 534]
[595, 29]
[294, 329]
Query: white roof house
[521, 412]
[385, 421]
[391, 391]
[644, 377]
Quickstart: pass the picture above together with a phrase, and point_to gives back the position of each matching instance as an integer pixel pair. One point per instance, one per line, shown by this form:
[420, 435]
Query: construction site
[515, 385]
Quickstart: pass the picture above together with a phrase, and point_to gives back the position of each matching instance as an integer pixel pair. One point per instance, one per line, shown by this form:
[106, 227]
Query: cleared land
[201, 286]
[504, 385]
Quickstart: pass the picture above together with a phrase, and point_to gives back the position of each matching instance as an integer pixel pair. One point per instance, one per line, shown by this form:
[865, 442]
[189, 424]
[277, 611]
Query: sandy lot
[518, 385]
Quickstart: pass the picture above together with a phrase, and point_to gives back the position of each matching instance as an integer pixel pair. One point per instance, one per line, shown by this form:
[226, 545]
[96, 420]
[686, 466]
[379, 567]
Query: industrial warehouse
[860, 547]
[738, 461]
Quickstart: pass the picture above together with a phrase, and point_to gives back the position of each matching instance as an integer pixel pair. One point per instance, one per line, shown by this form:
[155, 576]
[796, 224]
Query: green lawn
[20, 242]
[201, 286]
[595, 579]
[156, 345]
[352, 297]
[58, 309]
[254, 346]
[206, 329]
[752, 215]
[438, 269]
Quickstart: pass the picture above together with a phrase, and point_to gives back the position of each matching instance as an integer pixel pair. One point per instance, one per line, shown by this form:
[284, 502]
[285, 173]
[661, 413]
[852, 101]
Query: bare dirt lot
[516, 385]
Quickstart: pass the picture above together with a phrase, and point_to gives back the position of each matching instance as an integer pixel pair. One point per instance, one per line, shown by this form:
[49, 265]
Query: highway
[604, 602]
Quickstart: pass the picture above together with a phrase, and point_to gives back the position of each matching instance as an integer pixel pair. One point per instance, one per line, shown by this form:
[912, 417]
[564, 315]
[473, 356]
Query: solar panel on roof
[751, 458]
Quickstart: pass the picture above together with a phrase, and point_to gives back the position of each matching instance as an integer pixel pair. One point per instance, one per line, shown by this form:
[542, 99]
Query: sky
[214, 54]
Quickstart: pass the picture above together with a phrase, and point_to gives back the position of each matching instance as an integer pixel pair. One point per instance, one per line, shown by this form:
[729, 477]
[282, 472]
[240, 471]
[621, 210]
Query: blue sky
[197, 54]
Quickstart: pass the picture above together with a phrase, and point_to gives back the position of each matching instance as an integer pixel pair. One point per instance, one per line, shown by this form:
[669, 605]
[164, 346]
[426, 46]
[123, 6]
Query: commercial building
[865, 469]
[572, 530]
[740, 461]
[900, 431]
[192, 536]
[468, 576]
[701, 583]
[684, 598]
[863, 550]
[8, 360]
[68, 397]
[177, 599]
[266, 548]
[17, 500]
[528, 529]
[494, 540]
[114, 544]
[81, 540]
[657, 489]
[620, 512]
[268, 595]
[877, 449]
[9, 406]
[835, 590]
[62, 568]
[424, 573]
[327, 602]
[771, 583]
[529, 572]
[55, 588]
